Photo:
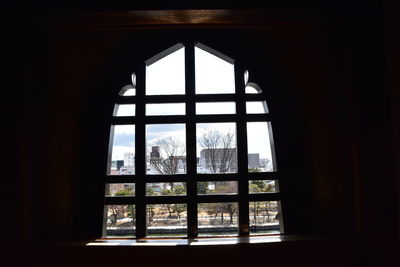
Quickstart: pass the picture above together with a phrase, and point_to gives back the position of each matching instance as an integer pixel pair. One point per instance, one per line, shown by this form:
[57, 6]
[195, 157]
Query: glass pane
[124, 110]
[165, 73]
[166, 220]
[128, 90]
[216, 147]
[256, 107]
[215, 108]
[262, 186]
[246, 76]
[133, 79]
[120, 220]
[252, 88]
[166, 148]
[218, 218]
[259, 146]
[166, 189]
[217, 188]
[122, 150]
[165, 109]
[215, 72]
[120, 190]
[264, 217]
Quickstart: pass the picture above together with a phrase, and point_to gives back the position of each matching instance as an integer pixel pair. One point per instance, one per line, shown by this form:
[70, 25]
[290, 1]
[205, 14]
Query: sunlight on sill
[187, 242]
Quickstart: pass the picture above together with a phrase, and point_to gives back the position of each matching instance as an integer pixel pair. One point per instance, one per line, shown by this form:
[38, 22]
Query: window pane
[166, 148]
[166, 189]
[120, 220]
[165, 109]
[120, 190]
[165, 73]
[217, 188]
[124, 110]
[256, 107]
[246, 76]
[218, 218]
[215, 108]
[214, 72]
[258, 144]
[133, 79]
[252, 88]
[128, 90]
[216, 147]
[264, 217]
[122, 150]
[262, 186]
[166, 220]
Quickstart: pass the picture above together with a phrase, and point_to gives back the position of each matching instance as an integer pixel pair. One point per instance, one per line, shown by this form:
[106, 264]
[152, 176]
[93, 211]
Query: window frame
[190, 98]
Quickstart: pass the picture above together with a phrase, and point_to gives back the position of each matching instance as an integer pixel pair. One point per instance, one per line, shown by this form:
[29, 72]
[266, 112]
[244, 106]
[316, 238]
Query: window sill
[161, 242]
[238, 251]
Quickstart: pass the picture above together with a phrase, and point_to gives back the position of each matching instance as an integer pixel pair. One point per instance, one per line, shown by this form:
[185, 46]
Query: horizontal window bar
[166, 179]
[264, 197]
[126, 99]
[216, 118]
[120, 179]
[119, 200]
[214, 97]
[166, 119]
[254, 97]
[175, 178]
[166, 199]
[123, 120]
[197, 199]
[262, 176]
[184, 118]
[193, 177]
[217, 177]
[182, 98]
[258, 117]
[154, 99]
[216, 198]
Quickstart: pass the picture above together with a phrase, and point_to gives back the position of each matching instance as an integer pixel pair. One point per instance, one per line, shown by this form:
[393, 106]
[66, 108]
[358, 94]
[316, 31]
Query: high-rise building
[155, 155]
[254, 160]
[219, 159]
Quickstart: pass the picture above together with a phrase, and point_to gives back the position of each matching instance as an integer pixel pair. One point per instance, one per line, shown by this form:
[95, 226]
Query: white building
[266, 165]
[129, 159]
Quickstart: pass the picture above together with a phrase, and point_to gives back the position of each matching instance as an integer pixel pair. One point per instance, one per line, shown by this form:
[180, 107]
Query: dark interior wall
[392, 43]
[302, 71]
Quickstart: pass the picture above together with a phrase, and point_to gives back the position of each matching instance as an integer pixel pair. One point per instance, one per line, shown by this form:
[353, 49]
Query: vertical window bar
[140, 154]
[109, 151]
[191, 139]
[242, 151]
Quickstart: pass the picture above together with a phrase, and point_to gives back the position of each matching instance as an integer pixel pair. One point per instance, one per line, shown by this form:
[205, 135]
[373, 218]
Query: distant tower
[155, 154]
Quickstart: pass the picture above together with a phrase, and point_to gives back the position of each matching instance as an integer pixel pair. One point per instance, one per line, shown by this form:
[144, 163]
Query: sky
[213, 75]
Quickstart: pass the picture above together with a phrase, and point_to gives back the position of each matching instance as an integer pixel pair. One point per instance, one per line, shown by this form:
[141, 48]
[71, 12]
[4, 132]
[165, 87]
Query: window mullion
[191, 139]
[242, 151]
[224, 116]
[140, 159]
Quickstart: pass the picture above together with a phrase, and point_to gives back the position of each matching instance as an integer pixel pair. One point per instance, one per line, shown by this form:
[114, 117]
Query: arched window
[191, 151]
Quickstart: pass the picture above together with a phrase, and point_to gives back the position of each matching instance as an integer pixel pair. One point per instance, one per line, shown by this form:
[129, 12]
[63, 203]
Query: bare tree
[115, 210]
[179, 209]
[230, 208]
[218, 151]
[172, 151]
[228, 187]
